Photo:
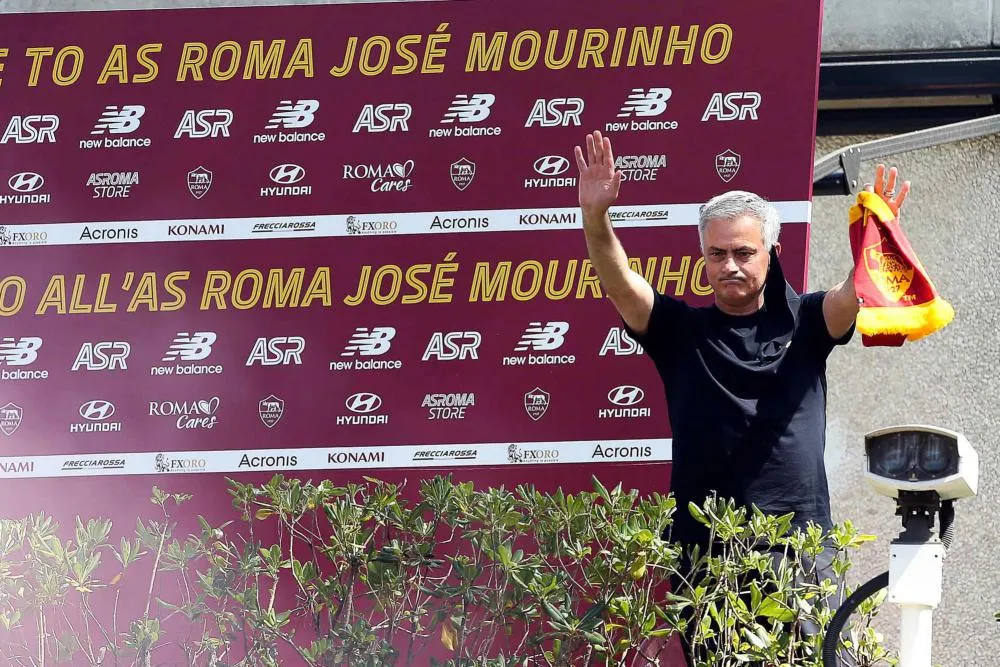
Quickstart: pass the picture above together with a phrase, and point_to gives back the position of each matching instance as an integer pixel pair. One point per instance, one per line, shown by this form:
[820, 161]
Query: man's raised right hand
[599, 180]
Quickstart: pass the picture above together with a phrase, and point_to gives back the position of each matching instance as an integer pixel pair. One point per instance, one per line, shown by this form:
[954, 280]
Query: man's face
[736, 262]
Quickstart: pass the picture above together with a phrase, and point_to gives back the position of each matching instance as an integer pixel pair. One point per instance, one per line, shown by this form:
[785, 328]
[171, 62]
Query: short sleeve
[813, 325]
[666, 320]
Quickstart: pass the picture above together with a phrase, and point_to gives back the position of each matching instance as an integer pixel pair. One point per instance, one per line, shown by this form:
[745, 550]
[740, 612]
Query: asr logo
[888, 272]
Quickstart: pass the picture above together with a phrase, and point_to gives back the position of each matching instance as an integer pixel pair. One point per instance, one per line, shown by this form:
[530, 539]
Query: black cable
[947, 515]
[866, 590]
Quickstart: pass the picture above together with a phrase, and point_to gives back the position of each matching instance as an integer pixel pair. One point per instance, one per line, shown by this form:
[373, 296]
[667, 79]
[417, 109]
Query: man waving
[745, 378]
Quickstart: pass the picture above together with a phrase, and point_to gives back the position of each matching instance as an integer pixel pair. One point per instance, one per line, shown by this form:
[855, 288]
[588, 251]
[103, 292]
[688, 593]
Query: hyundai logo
[97, 410]
[26, 181]
[287, 174]
[551, 165]
[626, 395]
[363, 402]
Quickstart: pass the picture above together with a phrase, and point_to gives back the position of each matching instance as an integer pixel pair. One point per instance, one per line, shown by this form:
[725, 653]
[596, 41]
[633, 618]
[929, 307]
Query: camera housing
[919, 457]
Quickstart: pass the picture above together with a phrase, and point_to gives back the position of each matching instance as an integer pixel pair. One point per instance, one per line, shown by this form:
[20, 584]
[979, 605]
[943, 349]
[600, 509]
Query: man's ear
[777, 248]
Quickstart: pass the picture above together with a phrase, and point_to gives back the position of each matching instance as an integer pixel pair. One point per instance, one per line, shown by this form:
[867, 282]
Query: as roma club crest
[462, 173]
[536, 402]
[888, 272]
[199, 181]
[727, 164]
[270, 410]
[10, 418]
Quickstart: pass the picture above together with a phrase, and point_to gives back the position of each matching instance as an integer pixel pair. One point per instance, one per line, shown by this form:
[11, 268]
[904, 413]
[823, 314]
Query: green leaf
[638, 567]
[771, 607]
[592, 617]
[553, 612]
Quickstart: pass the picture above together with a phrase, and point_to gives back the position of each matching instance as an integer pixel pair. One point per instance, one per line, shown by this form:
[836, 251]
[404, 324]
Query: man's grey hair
[735, 203]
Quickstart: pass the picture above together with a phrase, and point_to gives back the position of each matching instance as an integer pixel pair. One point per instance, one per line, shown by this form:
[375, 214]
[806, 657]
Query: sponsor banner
[421, 342]
[336, 173]
[342, 458]
[442, 222]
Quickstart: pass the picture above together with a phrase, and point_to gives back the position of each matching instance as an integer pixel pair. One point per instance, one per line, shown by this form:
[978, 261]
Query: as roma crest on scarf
[888, 272]
[896, 298]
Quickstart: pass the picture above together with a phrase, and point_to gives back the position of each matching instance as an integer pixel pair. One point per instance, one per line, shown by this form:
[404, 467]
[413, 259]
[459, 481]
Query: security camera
[917, 457]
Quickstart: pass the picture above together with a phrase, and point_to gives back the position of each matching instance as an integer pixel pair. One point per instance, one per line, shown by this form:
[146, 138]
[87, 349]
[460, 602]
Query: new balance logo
[645, 103]
[469, 109]
[119, 120]
[190, 347]
[19, 351]
[289, 116]
[540, 337]
[367, 342]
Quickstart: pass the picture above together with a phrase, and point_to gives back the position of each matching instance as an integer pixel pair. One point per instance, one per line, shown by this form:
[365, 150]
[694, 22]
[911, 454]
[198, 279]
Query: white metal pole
[915, 636]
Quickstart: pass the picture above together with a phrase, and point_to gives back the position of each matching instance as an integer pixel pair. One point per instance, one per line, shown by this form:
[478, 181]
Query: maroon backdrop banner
[343, 240]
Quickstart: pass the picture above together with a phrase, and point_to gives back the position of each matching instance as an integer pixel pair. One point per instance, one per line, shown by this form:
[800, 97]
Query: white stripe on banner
[339, 458]
[368, 224]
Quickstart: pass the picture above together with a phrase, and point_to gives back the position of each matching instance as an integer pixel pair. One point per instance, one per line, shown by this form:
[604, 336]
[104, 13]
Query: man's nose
[730, 265]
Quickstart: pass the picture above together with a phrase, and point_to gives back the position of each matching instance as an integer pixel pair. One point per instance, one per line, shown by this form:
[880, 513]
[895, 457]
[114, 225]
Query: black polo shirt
[746, 398]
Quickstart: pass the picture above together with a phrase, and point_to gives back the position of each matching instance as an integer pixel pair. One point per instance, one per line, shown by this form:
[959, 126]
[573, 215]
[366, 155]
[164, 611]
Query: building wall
[950, 379]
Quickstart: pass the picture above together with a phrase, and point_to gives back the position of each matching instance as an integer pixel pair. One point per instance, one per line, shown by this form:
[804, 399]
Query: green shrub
[476, 577]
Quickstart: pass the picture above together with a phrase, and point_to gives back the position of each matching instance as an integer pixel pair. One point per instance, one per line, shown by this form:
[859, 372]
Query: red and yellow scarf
[897, 300]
